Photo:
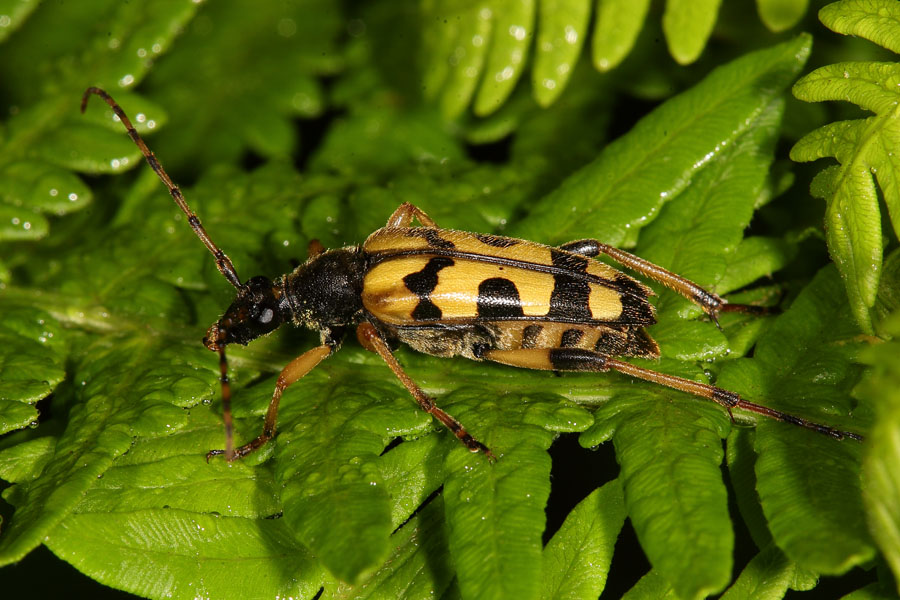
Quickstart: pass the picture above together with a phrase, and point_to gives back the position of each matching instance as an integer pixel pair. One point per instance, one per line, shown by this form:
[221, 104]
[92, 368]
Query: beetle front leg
[711, 303]
[372, 340]
[294, 371]
[404, 215]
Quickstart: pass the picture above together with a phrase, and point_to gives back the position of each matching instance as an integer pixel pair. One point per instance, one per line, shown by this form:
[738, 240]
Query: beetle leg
[295, 370]
[403, 216]
[711, 303]
[577, 359]
[372, 340]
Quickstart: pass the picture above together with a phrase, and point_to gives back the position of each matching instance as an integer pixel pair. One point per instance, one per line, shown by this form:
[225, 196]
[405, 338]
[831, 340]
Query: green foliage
[779, 15]
[476, 52]
[881, 464]
[863, 147]
[109, 402]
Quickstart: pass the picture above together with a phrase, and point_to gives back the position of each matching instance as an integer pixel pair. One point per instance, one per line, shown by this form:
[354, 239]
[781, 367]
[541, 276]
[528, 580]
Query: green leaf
[133, 35]
[808, 484]
[161, 522]
[742, 475]
[418, 567]
[874, 20]
[513, 27]
[495, 512]
[618, 23]
[26, 460]
[337, 502]
[471, 198]
[89, 149]
[703, 227]
[32, 363]
[669, 450]
[217, 556]
[687, 25]
[412, 472]
[21, 224]
[755, 257]
[475, 53]
[577, 557]
[881, 463]
[780, 15]
[888, 300]
[873, 591]
[561, 31]
[380, 139]
[102, 423]
[651, 586]
[13, 14]
[767, 576]
[228, 115]
[467, 34]
[852, 217]
[624, 188]
[45, 138]
[43, 188]
[146, 115]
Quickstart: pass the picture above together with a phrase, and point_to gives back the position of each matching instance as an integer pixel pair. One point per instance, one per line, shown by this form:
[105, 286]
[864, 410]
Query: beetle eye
[266, 315]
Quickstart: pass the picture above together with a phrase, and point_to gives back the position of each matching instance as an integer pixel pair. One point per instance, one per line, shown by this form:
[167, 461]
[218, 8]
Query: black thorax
[326, 290]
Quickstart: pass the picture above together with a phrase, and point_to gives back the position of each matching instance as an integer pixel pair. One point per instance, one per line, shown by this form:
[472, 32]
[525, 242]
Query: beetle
[453, 293]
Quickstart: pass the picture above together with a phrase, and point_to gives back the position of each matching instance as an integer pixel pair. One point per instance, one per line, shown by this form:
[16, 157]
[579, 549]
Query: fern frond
[476, 52]
[780, 15]
[863, 147]
[44, 142]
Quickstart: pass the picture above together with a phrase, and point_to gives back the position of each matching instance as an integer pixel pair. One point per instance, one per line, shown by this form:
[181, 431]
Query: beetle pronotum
[453, 293]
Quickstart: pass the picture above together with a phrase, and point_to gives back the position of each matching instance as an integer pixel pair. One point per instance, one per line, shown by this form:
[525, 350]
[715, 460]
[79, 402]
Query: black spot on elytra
[570, 296]
[498, 298]
[627, 285]
[431, 236]
[422, 283]
[495, 240]
[636, 310]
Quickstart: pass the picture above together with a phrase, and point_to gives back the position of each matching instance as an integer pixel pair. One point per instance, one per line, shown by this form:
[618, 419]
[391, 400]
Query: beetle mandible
[453, 293]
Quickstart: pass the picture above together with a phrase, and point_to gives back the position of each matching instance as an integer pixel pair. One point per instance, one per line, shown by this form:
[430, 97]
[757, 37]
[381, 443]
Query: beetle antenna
[226, 268]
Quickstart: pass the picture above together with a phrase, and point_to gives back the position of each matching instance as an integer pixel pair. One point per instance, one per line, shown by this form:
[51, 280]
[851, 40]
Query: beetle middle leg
[372, 340]
[711, 303]
[294, 371]
[577, 359]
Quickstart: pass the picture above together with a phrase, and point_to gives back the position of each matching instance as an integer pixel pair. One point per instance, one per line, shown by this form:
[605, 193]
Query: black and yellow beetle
[453, 293]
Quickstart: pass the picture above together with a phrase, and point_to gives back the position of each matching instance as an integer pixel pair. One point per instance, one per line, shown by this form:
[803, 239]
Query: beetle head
[260, 307]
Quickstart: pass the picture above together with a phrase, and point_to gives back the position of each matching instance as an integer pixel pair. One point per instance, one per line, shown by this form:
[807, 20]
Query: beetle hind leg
[577, 359]
[373, 341]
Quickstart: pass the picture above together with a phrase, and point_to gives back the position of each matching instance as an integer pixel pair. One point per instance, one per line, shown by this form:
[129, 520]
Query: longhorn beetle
[453, 293]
